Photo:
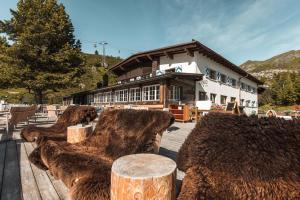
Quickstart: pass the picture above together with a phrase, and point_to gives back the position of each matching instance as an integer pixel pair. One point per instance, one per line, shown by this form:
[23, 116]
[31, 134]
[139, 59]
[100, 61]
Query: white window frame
[225, 78]
[98, 98]
[214, 95]
[135, 94]
[211, 71]
[247, 103]
[242, 101]
[175, 93]
[121, 95]
[90, 98]
[147, 94]
[107, 97]
[226, 97]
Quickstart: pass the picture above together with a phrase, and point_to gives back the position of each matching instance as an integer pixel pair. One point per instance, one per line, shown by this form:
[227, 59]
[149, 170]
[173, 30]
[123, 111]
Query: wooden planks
[60, 188]
[2, 162]
[29, 187]
[11, 177]
[28, 182]
[44, 184]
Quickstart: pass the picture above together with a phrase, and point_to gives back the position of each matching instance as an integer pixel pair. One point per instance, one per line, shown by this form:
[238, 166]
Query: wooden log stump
[78, 133]
[143, 177]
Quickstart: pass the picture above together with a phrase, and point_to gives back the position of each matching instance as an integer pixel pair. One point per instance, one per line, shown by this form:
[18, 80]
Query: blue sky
[239, 30]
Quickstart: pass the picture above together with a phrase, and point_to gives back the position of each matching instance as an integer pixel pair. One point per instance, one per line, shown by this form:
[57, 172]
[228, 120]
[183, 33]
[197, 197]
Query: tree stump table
[78, 133]
[143, 177]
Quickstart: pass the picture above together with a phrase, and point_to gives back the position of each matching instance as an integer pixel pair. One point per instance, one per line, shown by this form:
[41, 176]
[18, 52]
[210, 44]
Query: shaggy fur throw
[239, 157]
[71, 116]
[85, 167]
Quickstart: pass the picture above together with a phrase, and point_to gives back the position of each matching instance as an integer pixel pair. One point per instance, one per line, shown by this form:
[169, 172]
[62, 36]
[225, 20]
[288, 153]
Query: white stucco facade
[247, 96]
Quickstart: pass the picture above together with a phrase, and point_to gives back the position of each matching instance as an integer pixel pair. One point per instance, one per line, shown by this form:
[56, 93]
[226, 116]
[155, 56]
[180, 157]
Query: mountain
[289, 61]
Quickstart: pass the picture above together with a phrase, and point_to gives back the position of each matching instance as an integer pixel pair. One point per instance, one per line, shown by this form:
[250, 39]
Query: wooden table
[143, 177]
[78, 133]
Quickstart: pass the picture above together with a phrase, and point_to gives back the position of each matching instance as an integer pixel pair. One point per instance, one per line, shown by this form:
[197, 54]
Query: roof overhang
[189, 48]
[167, 76]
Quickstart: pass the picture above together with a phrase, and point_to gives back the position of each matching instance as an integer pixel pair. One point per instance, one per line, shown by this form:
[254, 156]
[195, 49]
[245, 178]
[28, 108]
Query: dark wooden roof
[189, 48]
[170, 75]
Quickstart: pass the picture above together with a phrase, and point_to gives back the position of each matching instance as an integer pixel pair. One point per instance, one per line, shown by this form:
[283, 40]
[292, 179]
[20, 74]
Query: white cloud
[252, 30]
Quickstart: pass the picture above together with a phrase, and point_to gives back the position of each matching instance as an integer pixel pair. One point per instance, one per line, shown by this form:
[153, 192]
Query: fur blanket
[71, 116]
[239, 157]
[85, 167]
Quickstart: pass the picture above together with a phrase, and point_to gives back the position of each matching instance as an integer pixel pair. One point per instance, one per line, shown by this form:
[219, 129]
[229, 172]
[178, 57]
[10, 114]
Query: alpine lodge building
[188, 74]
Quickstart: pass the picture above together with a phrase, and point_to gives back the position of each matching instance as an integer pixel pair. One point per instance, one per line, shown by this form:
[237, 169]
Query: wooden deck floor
[19, 179]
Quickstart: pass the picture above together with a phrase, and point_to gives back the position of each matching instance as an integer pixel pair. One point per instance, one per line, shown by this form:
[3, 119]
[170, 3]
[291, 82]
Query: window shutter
[207, 72]
[218, 76]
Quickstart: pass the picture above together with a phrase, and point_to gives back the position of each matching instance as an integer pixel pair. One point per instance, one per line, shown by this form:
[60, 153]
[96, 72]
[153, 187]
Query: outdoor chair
[85, 167]
[20, 114]
[71, 116]
[238, 157]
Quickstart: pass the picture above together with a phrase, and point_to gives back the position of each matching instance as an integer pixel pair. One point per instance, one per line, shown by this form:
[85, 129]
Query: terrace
[19, 179]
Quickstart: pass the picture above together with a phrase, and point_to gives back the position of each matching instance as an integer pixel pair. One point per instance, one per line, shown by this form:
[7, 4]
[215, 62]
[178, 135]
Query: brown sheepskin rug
[239, 157]
[85, 167]
[71, 116]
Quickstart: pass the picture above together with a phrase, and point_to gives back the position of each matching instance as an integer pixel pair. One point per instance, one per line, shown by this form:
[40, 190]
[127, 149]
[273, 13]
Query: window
[242, 102]
[90, 98]
[207, 72]
[232, 99]
[212, 74]
[202, 96]
[98, 98]
[121, 95]
[243, 86]
[135, 94]
[247, 103]
[175, 93]
[233, 82]
[223, 99]
[213, 97]
[248, 88]
[151, 93]
[107, 97]
[253, 104]
[223, 78]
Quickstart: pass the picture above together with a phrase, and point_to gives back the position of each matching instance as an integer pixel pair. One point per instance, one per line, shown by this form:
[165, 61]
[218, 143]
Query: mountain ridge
[284, 62]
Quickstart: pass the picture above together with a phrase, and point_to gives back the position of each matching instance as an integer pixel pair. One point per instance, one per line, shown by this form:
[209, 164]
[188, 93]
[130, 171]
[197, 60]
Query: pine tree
[43, 53]
[284, 89]
[96, 52]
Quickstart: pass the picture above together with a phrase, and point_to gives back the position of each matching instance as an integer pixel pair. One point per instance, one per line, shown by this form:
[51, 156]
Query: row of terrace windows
[146, 93]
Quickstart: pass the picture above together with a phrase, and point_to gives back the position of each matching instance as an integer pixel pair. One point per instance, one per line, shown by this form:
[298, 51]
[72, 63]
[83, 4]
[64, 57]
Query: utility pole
[103, 43]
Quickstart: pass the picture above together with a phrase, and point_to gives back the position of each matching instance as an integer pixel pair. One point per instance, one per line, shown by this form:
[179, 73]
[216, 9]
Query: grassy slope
[94, 73]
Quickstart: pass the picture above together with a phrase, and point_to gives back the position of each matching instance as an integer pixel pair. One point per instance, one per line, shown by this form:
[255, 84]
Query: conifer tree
[43, 53]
